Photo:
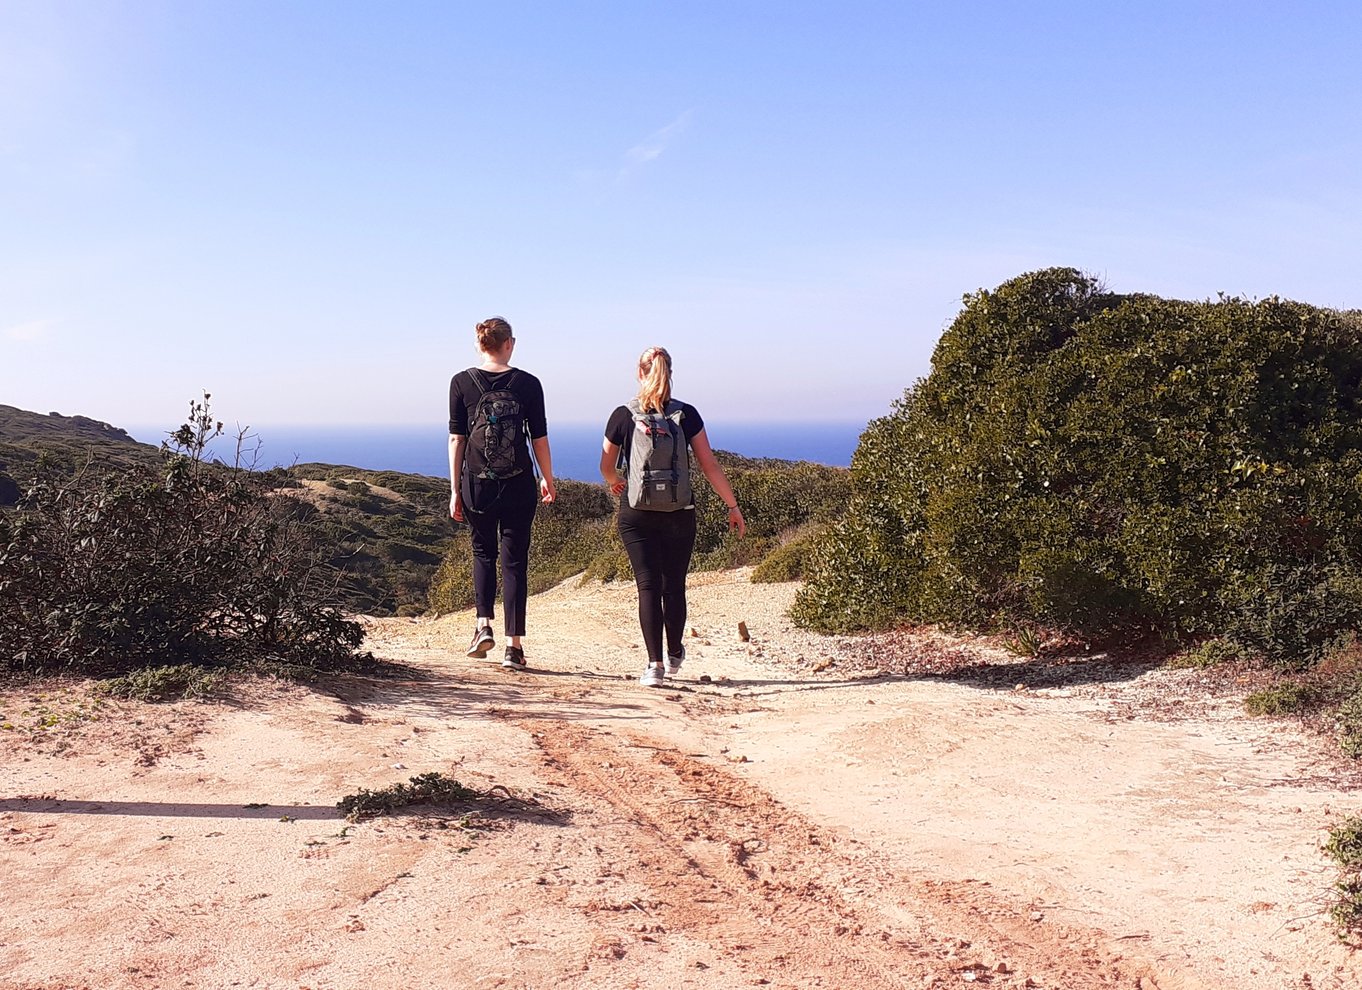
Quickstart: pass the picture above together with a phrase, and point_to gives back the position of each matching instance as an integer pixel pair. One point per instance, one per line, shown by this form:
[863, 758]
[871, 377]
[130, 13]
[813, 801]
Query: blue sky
[305, 207]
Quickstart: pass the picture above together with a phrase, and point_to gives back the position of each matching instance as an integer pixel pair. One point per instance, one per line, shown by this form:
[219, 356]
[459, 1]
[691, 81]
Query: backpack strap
[678, 444]
[480, 379]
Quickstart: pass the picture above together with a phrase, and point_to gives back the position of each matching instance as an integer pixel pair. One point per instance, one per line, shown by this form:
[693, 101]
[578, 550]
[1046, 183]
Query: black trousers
[659, 545]
[502, 530]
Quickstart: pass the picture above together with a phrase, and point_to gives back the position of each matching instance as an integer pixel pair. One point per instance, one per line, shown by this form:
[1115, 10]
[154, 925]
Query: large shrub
[133, 568]
[1098, 461]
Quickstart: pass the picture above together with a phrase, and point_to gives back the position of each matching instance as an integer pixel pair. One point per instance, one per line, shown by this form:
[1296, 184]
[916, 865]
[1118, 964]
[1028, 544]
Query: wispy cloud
[33, 330]
[651, 147]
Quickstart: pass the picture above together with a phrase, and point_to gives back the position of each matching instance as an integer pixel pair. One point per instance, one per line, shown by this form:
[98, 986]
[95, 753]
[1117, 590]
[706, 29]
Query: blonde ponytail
[654, 379]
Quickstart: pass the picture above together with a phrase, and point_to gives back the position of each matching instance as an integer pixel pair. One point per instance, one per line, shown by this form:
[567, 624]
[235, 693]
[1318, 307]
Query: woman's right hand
[737, 522]
[617, 486]
[456, 507]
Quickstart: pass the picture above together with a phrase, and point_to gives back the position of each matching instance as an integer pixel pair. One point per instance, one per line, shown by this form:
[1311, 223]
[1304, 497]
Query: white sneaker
[653, 676]
[674, 663]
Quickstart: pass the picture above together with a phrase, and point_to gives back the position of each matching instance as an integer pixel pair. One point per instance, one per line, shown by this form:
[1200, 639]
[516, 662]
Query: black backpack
[496, 429]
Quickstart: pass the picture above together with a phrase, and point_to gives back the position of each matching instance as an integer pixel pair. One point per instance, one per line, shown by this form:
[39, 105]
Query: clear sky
[305, 207]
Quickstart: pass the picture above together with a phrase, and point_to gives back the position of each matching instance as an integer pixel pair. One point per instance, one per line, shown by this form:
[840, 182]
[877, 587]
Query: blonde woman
[653, 436]
[494, 410]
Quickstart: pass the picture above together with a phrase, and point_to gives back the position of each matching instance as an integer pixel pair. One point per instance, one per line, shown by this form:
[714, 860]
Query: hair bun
[492, 333]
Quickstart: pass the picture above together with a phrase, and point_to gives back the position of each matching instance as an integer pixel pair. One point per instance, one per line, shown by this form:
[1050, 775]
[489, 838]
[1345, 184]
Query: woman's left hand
[548, 491]
[736, 521]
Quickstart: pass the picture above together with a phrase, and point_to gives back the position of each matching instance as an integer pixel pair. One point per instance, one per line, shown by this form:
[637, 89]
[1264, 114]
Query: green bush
[777, 496]
[1209, 653]
[1348, 720]
[427, 788]
[787, 562]
[1285, 699]
[570, 533]
[130, 569]
[611, 565]
[1344, 845]
[1098, 462]
[167, 683]
[451, 586]
[1346, 910]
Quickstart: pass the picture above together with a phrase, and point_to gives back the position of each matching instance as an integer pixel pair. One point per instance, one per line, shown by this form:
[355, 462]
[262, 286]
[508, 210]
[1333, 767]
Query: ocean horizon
[576, 446]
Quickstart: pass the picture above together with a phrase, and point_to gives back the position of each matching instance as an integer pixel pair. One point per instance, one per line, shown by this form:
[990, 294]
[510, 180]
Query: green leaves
[1099, 462]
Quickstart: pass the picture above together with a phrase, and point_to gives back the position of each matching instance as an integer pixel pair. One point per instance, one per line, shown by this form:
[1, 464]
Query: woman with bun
[653, 436]
[496, 419]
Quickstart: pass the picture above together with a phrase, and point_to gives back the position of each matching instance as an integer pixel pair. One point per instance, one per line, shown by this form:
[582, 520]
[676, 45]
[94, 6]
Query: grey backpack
[659, 460]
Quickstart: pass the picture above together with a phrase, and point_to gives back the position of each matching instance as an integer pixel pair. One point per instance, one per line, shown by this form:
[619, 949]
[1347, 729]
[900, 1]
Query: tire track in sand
[793, 904]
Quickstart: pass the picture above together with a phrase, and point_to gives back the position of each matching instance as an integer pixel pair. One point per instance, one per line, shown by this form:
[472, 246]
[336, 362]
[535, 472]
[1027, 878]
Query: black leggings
[504, 526]
[659, 545]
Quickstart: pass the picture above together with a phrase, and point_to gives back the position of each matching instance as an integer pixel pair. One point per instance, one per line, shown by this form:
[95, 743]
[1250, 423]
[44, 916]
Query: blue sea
[576, 446]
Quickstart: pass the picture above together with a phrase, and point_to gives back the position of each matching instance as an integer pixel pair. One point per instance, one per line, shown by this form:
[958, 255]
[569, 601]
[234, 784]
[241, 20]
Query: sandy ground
[779, 816]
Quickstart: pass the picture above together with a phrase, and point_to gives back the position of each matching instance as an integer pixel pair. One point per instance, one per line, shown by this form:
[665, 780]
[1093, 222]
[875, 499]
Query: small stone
[695, 633]
[1037, 916]
[743, 634]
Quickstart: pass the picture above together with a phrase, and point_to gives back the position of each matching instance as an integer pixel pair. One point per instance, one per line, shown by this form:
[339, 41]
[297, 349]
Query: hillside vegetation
[1102, 462]
[785, 503]
[119, 570]
[33, 445]
[385, 532]
[381, 534]
[381, 542]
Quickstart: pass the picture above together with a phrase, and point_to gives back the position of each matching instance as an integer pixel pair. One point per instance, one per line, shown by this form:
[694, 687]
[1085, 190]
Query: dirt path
[782, 824]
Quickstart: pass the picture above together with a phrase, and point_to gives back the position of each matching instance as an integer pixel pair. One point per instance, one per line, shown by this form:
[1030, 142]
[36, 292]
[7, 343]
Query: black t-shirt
[463, 399]
[619, 430]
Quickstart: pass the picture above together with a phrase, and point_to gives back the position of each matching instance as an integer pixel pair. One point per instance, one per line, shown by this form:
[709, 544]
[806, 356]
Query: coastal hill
[383, 532]
[32, 443]
[388, 536]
